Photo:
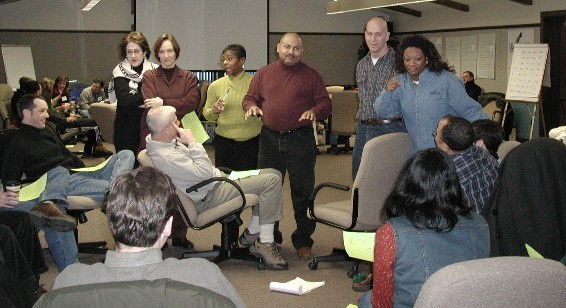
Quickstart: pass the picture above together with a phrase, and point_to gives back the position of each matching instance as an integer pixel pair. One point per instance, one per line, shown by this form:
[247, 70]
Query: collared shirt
[149, 265]
[371, 79]
[477, 171]
[423, 105]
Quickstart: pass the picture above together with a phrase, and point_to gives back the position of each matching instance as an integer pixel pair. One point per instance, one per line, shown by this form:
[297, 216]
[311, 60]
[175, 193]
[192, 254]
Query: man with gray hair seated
[175, 151]
[139, 208]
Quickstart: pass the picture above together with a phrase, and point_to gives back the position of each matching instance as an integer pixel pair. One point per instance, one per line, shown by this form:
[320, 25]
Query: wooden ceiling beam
[454, 5]
[404, 10]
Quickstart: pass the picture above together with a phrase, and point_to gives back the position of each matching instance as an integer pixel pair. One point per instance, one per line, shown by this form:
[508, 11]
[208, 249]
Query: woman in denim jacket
[431, 227]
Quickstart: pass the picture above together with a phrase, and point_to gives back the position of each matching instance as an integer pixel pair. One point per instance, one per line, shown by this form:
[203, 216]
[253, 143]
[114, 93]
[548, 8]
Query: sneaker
[247, 239]
[46, 213]
[270, 255]
[304, 253]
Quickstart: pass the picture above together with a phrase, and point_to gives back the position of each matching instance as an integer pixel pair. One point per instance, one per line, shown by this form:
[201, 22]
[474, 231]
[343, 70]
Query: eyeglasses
[229, 59]
[133, 52]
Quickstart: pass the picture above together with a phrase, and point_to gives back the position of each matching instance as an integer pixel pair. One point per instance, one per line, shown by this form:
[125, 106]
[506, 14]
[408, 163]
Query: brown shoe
[304, 253]
[46, 213]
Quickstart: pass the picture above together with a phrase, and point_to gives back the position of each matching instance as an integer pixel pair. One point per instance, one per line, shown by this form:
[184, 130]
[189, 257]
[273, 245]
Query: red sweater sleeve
[383, 264]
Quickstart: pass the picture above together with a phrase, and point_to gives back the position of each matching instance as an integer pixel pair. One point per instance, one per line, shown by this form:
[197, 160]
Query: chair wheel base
[313, 265]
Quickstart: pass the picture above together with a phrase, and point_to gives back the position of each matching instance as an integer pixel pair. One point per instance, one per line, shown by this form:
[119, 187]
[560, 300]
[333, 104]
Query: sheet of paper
[192, 122]
[296, 286]
[532, 252]
[352, 306]
[359, 245]
[33, 190]
[93, 168]
[234, 175]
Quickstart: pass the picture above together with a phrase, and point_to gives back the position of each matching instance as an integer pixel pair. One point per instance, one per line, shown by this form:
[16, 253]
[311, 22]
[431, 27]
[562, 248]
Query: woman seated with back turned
[430, 227]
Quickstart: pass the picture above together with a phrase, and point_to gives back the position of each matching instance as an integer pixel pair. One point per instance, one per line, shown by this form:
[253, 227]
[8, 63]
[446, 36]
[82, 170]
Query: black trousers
[236, 155]
[27, 246]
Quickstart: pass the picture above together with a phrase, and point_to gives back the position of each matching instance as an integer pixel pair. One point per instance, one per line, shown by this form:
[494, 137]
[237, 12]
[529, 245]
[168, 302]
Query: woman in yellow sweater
[236, 140]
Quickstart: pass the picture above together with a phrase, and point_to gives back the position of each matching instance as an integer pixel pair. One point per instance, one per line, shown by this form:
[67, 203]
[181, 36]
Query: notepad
[33, 190]
[192, 122]
[359, 245]
[234, 175]
[296, 286]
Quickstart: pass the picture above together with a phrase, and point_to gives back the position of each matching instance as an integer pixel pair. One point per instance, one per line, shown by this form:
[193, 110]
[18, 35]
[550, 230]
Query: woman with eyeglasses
[125, 90]
[423, 91]
[168, 84]
[236, 140]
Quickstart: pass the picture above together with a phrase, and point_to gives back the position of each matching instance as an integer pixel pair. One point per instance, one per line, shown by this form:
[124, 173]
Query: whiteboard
[18, 62]
[527, 70]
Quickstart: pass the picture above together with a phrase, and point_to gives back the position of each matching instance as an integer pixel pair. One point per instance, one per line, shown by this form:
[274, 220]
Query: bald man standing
[289, 95]
[372, 73]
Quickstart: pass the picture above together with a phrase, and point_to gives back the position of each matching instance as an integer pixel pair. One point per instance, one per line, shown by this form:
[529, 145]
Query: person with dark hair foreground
[476, 168]
[422, 71]
[431, 227]
[139, 208]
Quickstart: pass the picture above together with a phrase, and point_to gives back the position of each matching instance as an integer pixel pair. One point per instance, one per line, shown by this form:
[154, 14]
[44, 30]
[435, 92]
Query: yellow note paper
[93, 168]
[532, 252]
[192, 122]
[352, 306]
[359, 245]
[234, 175]
[33, 190]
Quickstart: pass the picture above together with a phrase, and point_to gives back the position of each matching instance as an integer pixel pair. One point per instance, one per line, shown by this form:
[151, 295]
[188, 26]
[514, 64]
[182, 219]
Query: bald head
[290, 48]
[377, 35]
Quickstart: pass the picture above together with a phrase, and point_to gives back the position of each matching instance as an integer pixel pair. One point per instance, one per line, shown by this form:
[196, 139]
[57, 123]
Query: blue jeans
[62, 245]
[366, 132]
[93, 184]
[365, 301]
[294, 152]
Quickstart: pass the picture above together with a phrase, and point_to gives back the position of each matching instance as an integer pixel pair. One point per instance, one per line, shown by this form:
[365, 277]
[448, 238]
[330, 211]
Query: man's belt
[375, 122]
[287, 131]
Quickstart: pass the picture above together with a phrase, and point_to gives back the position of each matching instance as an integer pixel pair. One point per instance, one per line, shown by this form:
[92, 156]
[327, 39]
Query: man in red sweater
[289, 95]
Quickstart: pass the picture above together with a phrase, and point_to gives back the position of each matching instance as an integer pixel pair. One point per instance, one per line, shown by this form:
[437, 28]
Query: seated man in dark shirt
[36, 149]
[472, 88]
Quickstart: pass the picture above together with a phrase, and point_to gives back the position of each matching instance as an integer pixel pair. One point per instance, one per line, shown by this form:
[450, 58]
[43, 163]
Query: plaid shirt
[477, 171]
[371, 80]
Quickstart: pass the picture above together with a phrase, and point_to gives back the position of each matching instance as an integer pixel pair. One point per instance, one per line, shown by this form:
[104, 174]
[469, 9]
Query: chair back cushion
[141, 293]
[496, 282]
[104, 115]
[344, 109]
[6, 94]
[382, 160]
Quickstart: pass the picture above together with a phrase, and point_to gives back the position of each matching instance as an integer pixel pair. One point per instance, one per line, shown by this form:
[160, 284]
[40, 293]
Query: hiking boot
[270, 255]
[46, 213]
[247, 239]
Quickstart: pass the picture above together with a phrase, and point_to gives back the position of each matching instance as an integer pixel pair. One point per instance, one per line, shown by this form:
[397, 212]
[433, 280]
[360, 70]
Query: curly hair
[428, 192]
[434, 61]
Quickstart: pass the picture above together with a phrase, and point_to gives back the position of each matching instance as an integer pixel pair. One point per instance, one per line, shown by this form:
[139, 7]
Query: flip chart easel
[525, 79]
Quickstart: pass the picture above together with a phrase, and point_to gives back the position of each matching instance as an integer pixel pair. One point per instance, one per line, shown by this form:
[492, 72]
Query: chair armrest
[220, 179]
[327, 184]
